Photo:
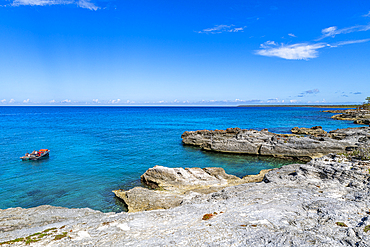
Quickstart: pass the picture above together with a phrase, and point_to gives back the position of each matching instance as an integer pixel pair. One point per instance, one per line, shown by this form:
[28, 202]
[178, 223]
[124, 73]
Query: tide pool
[95, 150]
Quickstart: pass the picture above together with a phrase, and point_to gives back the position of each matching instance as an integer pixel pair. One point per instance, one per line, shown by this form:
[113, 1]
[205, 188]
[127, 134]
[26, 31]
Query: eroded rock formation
[325, 202]
[172, 186]
[278, 145]
[357, 116]
[315, 131]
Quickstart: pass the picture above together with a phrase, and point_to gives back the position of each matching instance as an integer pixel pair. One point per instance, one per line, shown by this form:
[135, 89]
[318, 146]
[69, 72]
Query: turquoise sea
[95, 150]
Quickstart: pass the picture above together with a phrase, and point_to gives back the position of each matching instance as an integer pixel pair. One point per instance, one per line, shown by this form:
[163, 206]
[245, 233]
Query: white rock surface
[296, 205]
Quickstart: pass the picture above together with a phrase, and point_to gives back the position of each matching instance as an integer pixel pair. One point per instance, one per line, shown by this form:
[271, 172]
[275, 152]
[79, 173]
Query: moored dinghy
[36, 155]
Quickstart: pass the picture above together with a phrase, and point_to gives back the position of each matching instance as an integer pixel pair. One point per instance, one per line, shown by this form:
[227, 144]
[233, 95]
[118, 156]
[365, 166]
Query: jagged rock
[358, 116]
[174, 185]
[325, 202]
[352, 135]
[316, 131]
[269, 144]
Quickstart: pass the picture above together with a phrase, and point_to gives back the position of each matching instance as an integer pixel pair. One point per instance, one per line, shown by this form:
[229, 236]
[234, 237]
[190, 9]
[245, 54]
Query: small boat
[36, 155]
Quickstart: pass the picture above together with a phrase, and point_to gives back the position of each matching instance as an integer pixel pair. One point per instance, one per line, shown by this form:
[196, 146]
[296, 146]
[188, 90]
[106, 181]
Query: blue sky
[63, 52]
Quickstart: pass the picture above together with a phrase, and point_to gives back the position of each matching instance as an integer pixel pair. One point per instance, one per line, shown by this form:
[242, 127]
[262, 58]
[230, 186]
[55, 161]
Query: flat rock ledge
[170, 187]
[316, 144]
[357, 116]
[325, 202]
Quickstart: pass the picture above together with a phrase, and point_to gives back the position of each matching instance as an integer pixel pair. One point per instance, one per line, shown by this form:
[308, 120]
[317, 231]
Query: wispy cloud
[309, 50]
[66, 101]
[333, 31]
[3, 100]
[313, 91]
[349, 42]
[222, 29]
[300, 51]
[309, 92]
[26, 101]
[87, 4]
[268, 44]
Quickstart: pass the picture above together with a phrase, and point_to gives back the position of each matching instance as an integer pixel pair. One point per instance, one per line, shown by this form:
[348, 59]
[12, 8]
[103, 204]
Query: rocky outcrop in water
[315, 131]
[172, 186]
[357, 116]
[325, 202]
[278, 145]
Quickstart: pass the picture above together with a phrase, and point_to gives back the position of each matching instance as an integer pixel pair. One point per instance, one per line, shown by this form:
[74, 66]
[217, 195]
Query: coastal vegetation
[366, 105]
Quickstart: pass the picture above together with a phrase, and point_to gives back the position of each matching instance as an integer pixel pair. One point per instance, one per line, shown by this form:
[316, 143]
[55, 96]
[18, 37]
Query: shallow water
[95, 150]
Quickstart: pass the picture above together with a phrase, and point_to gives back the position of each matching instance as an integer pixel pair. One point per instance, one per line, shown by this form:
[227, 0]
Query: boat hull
[33, 157]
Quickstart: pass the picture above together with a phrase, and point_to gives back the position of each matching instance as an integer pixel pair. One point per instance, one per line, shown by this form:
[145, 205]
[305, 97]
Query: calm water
[95, 150]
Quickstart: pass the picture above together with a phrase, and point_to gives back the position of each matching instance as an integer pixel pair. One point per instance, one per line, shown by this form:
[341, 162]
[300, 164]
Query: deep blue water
[95, 150]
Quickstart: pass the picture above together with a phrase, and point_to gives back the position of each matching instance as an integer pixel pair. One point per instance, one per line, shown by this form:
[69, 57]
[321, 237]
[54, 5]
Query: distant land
[318, 106]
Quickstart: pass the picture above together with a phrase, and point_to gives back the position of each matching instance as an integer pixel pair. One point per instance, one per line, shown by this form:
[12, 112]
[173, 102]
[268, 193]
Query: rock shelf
[325, 202]
[173, 186]
[357, 116]
[253, 142]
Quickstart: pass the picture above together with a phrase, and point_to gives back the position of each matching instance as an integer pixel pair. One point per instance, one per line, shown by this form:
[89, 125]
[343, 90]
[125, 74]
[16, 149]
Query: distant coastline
[317, 106]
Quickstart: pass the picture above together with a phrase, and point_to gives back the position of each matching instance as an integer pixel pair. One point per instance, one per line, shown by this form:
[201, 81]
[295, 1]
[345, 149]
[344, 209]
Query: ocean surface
[95, 150]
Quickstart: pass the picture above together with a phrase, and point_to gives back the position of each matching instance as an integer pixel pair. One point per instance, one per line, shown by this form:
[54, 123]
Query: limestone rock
[180, 179]
[325, 202]
[142, 199]
[358, 116]
[174, 185]
[269, 144]
[316, 131]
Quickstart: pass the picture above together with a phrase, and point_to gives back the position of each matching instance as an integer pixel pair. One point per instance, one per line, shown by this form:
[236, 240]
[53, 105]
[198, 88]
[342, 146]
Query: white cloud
[292, 52]
[95, 101]
[291, 35]
[299, 51]
[223, 28]
[87, 5]
[3, 101]
[330, 31]
[52, 101]
[367, 15]
[11, 101]
[26, 101]
[81, 3]
[114, 101]
[333, 31]
[267, 44]
[276, 100]
[66, 101]
[349, 42]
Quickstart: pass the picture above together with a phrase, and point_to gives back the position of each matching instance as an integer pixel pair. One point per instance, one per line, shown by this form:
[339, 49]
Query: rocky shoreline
[170, 187]
[325, 202]
[316, 143]
[357, 116]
